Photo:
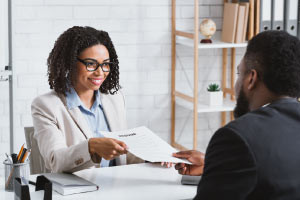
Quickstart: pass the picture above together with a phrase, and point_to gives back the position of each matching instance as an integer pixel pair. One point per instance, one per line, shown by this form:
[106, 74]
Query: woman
[83, 71]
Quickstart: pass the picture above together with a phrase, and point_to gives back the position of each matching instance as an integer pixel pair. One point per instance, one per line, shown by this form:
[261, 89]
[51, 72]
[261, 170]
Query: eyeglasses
[92, 65]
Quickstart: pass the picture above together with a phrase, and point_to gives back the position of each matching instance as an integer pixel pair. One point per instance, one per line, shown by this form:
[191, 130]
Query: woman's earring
[67, 77]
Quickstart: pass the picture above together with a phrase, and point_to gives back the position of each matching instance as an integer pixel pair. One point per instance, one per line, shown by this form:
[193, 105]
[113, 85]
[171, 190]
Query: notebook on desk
[66, 184]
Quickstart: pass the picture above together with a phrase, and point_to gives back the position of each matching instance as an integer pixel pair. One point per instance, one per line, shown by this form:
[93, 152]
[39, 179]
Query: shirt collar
[282, 100]
[97, 100]
[74, 101]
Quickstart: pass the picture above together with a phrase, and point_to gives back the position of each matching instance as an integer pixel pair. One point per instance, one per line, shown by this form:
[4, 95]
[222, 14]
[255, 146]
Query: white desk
[139, 181]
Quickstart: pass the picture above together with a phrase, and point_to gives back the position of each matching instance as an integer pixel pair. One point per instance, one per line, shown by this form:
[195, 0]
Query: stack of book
[66, 184]
[244, 19]
[235, 22]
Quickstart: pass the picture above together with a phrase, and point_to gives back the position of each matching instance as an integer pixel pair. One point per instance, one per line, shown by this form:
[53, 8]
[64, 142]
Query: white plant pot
[215, 98]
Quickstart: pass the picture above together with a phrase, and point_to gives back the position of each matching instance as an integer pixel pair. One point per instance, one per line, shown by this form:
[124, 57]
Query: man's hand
[107, 148]
[197, 160]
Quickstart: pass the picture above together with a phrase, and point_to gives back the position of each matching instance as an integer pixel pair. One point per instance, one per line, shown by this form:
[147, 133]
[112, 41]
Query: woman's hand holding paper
[107, 148]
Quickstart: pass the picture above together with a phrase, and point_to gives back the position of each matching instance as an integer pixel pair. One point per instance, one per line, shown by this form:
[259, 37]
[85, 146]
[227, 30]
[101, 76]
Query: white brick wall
[141, 32]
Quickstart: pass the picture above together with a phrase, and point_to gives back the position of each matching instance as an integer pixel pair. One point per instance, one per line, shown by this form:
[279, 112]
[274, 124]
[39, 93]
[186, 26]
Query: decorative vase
[215, 98]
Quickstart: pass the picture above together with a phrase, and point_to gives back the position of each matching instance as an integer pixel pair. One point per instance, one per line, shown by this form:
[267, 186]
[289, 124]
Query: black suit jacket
[256, 156]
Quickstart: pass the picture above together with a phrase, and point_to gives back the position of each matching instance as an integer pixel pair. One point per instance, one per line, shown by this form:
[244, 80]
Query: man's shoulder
[275, 119]
[248, 125]
[246, 120]
[267, 116]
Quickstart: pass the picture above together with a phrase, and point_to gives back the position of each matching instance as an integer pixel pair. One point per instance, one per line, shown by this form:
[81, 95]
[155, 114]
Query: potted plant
[215, 95]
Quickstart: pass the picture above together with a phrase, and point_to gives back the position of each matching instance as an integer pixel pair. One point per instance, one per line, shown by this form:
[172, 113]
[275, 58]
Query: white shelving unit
[192, 102]
[217, 44]
[228, 105]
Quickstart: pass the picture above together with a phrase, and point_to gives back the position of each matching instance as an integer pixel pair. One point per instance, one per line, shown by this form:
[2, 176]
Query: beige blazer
[62, 134]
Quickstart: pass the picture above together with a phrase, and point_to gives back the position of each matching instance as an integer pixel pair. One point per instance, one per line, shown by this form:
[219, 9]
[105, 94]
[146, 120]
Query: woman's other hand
[166, 164]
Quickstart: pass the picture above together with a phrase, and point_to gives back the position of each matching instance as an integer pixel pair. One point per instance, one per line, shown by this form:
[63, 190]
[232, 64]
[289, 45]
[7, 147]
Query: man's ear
[252, 79]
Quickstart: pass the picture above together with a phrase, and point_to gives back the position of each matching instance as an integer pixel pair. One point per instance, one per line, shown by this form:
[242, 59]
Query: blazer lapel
[111, 116]
[78, 118]
[110, 112]
[80, 121]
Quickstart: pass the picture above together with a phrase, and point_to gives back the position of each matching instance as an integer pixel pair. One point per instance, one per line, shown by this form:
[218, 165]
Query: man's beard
[242, 105]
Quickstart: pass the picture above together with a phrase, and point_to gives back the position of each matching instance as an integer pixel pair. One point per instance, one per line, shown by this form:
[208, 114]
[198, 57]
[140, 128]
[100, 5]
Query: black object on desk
[21, 191]
[42, 183]
[190, 180]
[14, 158]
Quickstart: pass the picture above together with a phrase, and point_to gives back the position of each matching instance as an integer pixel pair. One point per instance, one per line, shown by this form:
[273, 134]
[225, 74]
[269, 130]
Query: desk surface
[139, 181]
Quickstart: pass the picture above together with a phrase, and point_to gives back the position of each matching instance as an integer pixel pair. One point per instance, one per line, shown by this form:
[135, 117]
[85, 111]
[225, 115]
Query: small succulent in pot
[213, 87]
[215, 95]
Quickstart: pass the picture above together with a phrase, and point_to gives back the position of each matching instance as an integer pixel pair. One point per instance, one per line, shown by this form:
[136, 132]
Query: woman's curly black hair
[63, 57]
[275, 55]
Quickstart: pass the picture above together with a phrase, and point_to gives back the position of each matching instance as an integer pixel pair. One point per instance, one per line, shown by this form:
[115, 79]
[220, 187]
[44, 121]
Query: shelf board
[228, 105]
[217, 44]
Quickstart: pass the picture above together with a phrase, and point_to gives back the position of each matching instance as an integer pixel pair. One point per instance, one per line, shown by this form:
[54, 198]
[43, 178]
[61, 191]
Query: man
[257, 156]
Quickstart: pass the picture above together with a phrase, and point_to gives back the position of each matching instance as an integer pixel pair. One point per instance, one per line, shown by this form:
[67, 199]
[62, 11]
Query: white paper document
[146, 145]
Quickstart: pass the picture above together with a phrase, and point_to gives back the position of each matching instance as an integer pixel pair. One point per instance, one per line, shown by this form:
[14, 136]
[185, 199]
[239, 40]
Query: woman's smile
[96, 81]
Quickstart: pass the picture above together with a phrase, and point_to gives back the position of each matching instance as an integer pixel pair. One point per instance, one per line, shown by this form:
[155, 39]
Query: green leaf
[213, 87]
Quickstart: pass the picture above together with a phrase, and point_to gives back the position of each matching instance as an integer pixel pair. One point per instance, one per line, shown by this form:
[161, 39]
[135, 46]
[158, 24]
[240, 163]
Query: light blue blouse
[95, 116]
